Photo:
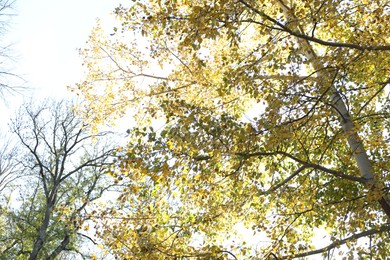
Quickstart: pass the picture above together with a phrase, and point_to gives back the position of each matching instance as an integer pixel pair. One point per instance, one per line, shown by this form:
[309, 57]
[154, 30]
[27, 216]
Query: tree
[10, 83]
[315, 155]
[9, 172]
[9, 166]
[66, 173]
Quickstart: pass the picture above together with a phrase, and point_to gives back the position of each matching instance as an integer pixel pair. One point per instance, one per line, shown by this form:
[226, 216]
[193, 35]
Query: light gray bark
[346, 121]
[354, 142]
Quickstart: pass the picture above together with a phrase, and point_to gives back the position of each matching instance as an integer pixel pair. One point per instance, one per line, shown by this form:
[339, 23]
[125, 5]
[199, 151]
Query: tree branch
[307, 165]
[280, 184]
[60, 247]
[339, 242]
[314, 39]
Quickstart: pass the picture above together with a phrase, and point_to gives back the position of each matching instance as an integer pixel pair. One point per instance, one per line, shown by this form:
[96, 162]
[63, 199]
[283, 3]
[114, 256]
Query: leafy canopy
[314, 153]
[57, 174]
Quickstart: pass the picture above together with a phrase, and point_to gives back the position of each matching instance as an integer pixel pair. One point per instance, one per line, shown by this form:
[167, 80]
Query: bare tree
[8, 163]
[66, 166]
[10, 83]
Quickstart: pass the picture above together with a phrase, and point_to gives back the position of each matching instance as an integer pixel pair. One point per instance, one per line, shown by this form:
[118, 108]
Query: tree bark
[42, 232]
[354, 142]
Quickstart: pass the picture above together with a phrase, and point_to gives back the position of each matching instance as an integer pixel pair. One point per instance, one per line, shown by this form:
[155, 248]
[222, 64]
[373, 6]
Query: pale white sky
[46, 35]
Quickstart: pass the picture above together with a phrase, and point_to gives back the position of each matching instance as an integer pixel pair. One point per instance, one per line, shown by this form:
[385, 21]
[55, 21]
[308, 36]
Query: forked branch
[338, 243]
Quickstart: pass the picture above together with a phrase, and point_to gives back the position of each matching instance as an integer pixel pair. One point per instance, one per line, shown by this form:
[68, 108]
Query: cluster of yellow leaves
[209, 168]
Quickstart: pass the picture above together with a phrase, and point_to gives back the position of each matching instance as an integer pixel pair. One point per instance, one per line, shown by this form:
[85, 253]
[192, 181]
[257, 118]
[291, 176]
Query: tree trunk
[42, 232]
[346, 121]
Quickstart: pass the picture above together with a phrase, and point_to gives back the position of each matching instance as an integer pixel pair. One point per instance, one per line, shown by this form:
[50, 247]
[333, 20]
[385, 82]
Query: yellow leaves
[373, 216]
[207, 169]
[197, 177]
[165, 217]
[169, 144]
[63, 211]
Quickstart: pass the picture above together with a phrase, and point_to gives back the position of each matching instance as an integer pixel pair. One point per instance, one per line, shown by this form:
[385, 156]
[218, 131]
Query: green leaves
[211, 166]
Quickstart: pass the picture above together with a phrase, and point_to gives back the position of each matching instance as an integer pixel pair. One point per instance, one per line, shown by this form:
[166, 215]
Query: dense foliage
[313, 154]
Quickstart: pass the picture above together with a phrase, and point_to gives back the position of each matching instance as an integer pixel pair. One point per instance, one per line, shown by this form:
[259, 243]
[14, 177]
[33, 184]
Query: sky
[45, 37]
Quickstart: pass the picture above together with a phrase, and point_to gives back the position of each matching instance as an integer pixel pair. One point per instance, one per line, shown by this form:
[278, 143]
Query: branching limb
[285, 28]
[306, 164]
[339, 242]
[282, 183]
[87, 237]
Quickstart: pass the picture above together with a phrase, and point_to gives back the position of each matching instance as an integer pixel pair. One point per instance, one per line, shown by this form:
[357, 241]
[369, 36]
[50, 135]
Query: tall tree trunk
[42, 231]
[346, 121]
